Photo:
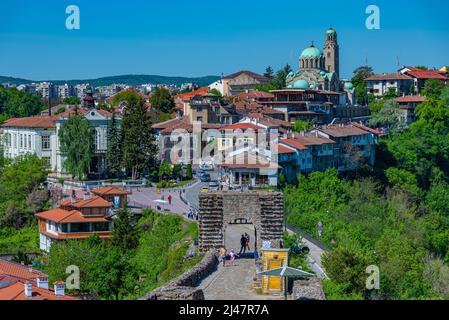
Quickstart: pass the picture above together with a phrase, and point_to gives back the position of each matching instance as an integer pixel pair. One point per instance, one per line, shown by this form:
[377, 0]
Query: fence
[307, 236]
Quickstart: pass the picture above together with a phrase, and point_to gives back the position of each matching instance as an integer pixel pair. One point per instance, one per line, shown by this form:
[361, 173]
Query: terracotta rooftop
[19, 271]
[294, 143]
[110, 191]
[343, 131]
[188, 95]
[310, 139]
[65, 216]
[388, 76]
[284, 149]
[12, 288]
[32, 122]
[242, 126]
[248, 73]
[407, 99]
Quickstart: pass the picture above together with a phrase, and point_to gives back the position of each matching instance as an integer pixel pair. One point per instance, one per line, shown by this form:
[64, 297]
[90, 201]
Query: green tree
[269, 72]
[433, 88]
[388, 116]
[71, 100]
[76, 138]
[302, 125]
[114, 152]
[216, 92]
[164, 171]
[358, 80]
[162, 100]
[15, 103]
[124, 236]
[138, 144]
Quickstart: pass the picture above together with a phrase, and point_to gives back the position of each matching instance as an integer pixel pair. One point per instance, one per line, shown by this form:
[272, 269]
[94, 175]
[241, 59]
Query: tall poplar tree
[138, 144]
[76, 144]
[114, 152]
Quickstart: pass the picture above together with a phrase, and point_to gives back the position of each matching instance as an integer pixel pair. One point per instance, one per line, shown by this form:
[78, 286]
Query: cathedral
[318, 69]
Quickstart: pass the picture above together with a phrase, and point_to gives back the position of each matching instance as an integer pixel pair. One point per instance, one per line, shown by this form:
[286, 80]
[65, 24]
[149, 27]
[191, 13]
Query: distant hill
[131, 79]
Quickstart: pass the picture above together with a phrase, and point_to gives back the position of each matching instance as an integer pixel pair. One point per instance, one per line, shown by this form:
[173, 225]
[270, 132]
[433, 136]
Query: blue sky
[195, 38]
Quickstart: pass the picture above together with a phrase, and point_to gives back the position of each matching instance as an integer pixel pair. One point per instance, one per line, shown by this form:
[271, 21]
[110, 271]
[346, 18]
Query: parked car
[204, 189]
[205, 177]
[214, 185]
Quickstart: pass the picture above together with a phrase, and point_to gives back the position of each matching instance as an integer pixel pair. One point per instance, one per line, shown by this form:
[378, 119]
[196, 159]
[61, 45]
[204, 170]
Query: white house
[39, 135]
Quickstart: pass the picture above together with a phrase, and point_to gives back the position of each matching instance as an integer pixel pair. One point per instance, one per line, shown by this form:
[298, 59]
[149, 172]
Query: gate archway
[263, 209]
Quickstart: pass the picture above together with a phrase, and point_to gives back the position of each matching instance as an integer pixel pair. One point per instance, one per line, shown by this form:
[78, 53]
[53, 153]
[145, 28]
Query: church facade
[318, 69]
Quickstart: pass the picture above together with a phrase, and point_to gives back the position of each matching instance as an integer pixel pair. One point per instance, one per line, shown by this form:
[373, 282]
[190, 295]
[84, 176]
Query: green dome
[330, 31]
[312, 52]
[312, 86]
[301, 84]
[349, 86]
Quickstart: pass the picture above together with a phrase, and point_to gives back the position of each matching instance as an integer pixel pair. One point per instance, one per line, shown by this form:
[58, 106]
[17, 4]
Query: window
[100, 226]
[21, 141]
[47, 161]
[199, 119]
[64, 227]
[79, 227]
[45, 142]
[29, 141]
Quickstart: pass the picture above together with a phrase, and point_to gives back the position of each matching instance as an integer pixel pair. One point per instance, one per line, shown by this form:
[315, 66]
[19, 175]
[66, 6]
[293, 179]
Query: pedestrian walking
[231, 257]
[222, 258]
[242, 245]
[247, 241]
[169, 199]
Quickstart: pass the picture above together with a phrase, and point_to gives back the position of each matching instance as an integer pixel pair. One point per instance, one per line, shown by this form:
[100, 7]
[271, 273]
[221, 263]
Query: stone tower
[332, 52]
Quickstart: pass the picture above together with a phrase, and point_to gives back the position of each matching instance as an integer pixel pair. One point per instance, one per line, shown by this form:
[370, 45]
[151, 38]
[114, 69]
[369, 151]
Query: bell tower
[332, 52]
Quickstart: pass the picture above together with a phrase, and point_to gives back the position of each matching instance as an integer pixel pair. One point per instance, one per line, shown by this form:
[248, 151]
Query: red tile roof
[248, 73]
[32, 122]
[19, 271]
[407, 99]
[14, 289]
[242, 126]
[188, 95]
[294, 143]
[65, 216]
[284, 149]
[361, 126]
[388, 76]
[427, 74]
[343, 131]
[110, 191]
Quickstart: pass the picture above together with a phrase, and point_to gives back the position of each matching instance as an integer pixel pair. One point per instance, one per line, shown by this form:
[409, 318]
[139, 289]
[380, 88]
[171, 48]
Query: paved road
[233, 282]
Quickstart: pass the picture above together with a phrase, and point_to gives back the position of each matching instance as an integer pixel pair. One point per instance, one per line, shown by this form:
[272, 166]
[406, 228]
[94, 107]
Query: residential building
[65, 91]
[242, 81]
[315, 106]
[218, 85]
[380, 84]
[407, 106]
[118, 197]
[420, 76]
[75, 219]
[83, 89]
[47, 90]
[20, 282]
[40, 136]
[354, 144]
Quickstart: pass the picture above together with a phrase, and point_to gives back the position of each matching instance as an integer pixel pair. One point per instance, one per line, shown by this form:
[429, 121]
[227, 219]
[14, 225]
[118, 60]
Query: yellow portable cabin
[273, 258]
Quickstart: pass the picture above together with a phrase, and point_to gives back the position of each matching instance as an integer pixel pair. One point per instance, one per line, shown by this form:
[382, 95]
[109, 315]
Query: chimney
[28, 289]
[60, 289]
[42, 282]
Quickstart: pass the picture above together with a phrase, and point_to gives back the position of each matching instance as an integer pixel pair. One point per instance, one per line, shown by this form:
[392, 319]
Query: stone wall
[308, 289]
[184, 286]
[264, 209]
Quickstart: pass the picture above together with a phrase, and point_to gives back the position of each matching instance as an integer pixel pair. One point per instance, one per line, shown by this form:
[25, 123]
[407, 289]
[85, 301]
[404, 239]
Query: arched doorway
[233, 233]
